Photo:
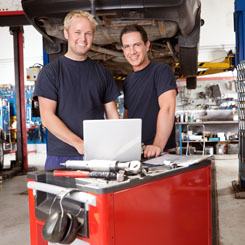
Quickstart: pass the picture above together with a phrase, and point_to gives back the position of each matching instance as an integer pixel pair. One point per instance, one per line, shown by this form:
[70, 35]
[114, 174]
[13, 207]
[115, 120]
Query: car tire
[188, 65]
[188, 61]
[191, 82]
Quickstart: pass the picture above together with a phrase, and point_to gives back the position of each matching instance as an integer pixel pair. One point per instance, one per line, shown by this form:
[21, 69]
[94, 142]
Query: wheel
[188, 61]
[191, 82]
[1, 155]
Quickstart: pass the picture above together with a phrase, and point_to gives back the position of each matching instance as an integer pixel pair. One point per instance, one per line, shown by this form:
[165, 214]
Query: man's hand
[80, 147]
[152, 151]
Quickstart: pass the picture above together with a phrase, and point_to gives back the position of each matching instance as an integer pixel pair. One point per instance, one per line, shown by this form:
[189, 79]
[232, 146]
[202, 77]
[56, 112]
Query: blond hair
[78, 13]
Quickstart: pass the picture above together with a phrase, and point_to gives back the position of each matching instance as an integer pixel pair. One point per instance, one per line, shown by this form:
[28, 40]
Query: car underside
[173, 28]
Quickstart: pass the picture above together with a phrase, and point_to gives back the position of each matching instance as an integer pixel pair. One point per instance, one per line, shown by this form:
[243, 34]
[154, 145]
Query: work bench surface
[157, 168]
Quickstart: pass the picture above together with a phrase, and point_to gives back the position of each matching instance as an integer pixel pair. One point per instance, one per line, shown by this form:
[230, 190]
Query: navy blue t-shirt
[81, 88]
[141, 91]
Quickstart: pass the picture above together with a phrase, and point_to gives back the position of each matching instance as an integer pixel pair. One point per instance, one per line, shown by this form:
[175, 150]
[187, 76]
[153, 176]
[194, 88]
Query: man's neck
[76, 57]
[141, 67]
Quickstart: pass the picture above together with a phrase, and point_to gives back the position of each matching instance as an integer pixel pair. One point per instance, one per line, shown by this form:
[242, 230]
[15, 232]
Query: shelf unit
[181, 124]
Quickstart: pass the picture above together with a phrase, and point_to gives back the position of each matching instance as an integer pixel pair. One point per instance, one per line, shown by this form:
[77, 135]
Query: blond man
[71, 89]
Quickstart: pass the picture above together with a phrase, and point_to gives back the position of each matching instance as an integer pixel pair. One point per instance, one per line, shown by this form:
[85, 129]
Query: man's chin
[134, 63]
[83, 50]
[82, 53]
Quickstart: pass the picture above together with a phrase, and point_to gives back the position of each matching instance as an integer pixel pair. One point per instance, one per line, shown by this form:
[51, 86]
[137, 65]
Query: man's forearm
[165, 122]
[62, 132]
[56, 126]
[111, 110]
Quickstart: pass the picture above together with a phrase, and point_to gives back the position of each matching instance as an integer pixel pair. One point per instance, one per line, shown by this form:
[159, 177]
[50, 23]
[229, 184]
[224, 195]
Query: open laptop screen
[112, 139]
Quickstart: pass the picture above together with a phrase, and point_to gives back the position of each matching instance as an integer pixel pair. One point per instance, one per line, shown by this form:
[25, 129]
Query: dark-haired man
[149, 92]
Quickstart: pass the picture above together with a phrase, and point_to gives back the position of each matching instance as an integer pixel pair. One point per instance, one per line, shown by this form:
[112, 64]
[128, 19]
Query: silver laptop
[112, 139]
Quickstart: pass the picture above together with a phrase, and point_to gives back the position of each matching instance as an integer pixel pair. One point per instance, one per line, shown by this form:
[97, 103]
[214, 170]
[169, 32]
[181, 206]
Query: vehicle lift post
[21, 153]
[239, 25]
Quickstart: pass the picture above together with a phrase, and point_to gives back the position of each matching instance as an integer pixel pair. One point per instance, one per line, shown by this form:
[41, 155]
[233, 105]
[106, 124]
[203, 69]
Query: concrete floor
[14, 213]
[14, 225]
[231, 211]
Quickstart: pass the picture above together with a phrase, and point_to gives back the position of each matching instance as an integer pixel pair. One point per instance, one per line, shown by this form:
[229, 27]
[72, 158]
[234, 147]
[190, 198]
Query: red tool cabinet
[166, 207]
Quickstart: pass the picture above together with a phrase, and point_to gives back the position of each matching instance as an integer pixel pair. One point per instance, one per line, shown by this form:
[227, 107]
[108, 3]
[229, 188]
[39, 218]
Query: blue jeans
[53, 162]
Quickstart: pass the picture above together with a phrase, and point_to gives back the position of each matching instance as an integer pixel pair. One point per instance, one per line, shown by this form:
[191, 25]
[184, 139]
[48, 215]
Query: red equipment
[165, 207]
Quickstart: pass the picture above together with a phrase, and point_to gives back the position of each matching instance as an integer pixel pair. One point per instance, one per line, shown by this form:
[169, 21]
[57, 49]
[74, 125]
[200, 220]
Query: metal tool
[86, 174]
[133, 167]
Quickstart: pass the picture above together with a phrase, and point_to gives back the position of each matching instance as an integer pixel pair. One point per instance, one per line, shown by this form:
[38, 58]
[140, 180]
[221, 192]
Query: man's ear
[66, 34]
[147, 44]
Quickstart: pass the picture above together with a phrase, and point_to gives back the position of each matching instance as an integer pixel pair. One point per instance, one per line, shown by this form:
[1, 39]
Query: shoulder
[163, 72]
[52, 66]
[161, 67]
[50, 72]
[164, 78]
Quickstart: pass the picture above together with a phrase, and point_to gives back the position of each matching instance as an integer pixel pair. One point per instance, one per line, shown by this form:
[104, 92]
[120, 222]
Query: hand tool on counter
[86, 174]
[133, 167]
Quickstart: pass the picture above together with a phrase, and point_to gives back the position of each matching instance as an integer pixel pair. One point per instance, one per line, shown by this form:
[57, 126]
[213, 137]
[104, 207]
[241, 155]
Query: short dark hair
[134, 28]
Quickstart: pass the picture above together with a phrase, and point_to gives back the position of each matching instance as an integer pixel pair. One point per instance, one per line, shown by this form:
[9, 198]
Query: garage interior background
[217, 38]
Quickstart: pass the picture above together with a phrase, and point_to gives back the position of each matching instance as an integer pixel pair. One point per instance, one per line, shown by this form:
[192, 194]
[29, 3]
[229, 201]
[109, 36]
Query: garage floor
[231, 211]
[14, 225]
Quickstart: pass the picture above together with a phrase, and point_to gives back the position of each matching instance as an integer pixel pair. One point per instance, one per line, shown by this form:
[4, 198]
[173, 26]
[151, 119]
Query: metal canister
[220, 149]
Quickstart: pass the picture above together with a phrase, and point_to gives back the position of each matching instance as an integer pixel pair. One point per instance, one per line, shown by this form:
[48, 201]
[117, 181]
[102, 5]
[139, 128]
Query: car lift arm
[228, 64]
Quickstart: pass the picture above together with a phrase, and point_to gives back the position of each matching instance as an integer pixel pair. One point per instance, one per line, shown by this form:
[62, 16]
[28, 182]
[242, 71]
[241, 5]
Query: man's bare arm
[56, 126]
[111, 110]
[165, 122]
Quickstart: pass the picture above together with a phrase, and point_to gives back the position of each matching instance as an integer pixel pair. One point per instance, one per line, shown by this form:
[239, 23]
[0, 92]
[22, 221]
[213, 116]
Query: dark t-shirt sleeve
[46, 85]
[125, 93]
[112, 91]
[164, 79]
